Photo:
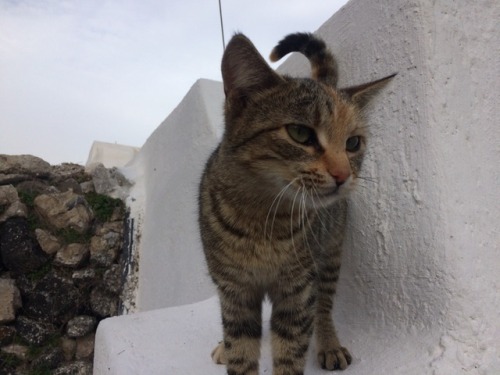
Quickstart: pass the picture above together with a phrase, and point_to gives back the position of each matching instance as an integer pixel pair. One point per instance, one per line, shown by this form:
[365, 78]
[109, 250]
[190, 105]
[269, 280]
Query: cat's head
[293, 134]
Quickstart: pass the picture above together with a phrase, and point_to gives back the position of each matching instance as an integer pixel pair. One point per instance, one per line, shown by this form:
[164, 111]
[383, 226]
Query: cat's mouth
[332, 193]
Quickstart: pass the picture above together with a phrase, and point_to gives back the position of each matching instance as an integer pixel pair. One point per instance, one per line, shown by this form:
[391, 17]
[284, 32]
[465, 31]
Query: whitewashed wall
[419, 286]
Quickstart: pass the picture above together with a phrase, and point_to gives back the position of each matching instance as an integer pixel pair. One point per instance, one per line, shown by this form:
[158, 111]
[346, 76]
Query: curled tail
[323, 64]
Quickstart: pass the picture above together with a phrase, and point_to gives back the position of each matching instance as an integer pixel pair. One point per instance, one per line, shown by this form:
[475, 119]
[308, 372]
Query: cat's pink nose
[340, 177]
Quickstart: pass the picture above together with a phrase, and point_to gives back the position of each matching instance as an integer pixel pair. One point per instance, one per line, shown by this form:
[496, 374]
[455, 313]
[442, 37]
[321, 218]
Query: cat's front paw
[219, 355]
[334, 358]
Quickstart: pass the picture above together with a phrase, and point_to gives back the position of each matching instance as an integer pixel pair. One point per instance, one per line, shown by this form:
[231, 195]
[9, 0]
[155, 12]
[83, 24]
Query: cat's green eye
[301, 134]
[353, 144]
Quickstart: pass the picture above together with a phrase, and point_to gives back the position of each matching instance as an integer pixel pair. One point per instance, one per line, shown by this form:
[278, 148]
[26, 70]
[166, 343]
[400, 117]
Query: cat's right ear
[244, 70]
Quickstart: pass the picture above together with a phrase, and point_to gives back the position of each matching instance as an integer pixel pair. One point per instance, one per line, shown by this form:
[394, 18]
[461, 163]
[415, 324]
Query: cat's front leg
[291, 327]
[331, 355]
[242, 326]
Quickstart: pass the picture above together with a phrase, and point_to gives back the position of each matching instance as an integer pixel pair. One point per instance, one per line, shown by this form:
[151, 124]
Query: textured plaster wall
[422, 252]
[419, 285]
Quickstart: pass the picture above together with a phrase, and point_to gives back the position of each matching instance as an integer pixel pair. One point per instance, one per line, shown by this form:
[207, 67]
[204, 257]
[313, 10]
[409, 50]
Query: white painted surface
[418, 292]
[167, 172]
[110, 155]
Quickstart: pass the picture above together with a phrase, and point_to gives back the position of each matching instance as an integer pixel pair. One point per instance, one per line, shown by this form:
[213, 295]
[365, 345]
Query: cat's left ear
[361, 94]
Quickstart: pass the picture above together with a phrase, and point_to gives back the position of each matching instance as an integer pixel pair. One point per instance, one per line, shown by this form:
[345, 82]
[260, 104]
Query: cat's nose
[340, 179]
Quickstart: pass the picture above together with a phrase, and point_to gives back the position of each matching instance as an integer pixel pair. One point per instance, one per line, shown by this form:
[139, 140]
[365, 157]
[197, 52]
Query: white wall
[164, 199]
[419, 285]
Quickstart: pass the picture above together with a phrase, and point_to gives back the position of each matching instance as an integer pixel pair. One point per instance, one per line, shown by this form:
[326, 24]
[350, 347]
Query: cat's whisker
[291, 221]
[276, 200]
[305, 217]
[369, 179]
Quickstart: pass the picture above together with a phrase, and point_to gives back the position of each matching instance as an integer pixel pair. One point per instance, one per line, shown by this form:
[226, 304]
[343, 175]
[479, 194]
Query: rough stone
[34, 332]
[19, 351]
[109, 181]
[48, 243]
[10, 300]
[68, 347]
[19, 253]
[103, 303]
[87, 187]
[52, 296]
[112, 279]
[81, 325]
[74, 368]
[36, 187]
[6, 179]
[70, 185]
[65, 210]
[15, 209]
[84, 276]
[72, 255]
[8, 195]
[7, 334]
[85, 347]
[24, 164]
[69, 170]
[104, 249]
[110, 226]
[49, 358]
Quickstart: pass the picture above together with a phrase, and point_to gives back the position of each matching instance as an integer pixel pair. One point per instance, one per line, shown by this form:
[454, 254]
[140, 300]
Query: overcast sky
[72, 72]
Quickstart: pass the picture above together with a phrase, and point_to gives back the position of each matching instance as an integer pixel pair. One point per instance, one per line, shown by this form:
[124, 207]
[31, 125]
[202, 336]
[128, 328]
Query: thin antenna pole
[222, 26]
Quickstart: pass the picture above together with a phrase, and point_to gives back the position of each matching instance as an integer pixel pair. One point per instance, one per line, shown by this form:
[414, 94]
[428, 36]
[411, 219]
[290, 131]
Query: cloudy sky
[75, 71]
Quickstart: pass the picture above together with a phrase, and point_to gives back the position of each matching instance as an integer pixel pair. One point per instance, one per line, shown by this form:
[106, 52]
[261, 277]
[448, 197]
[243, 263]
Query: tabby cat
[272, 203]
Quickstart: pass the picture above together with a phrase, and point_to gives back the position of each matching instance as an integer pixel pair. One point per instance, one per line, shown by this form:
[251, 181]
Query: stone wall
[61, 265]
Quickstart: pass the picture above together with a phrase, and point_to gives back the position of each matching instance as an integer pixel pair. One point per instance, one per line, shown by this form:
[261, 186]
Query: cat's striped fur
[272, 203]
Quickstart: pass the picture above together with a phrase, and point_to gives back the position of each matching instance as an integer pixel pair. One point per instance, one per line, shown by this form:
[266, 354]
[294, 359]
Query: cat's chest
[263, 257]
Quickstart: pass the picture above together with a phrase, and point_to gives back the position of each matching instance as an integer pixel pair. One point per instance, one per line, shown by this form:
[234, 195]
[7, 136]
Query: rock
[104, 249]
[110, 226]
[84, 276]
[87, 187]
[34, 332]
[19, 253]
[24, 164]
[36, 187]
[70, 184]
[81, 325]
[74, 368]
[112, 280]
[68, 347]
[65, 210]
[85, 347]
[16, 209]
[50, 358]
[109, 182]
[103, 303]
[7, 334]
[10, 300]
[8, 195]
[19, 351]
[51, 297]
[69, 170]
[72, 255]
[48, 243]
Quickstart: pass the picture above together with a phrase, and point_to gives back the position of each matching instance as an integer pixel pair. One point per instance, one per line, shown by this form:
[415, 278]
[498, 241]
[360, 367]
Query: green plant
[9, 361]
[70, 235]
[103, 206]
[42, 370]
[28, 198]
